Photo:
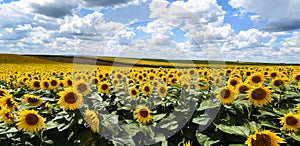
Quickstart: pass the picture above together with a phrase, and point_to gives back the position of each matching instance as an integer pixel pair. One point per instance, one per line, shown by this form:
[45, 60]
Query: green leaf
[295, 137]
[208, 104]
[158, 117]
[202, 120]
[11, 130]
[201, 137]
[209, 142]
[235, 130]
[170, 125]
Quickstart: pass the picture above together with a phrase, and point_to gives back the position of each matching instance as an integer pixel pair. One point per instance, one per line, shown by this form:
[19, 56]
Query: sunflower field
[49, 103]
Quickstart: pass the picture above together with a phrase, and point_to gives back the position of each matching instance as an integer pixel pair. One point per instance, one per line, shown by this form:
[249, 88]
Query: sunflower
[264, 138]
[32, 100]
[94, 81]
[54, 83]
[290, 122]
[45, 85]
[226, 95]
[146, 89]
[69, 99]
[82, 87]
[30, 121]
[133, 92]
[233, 82]
[3, 92]
[92, 120]
[243, 88]
[185, 85]
[188, 143]
[104, 87]
[162, 90]
[7, 116]
[142, 114]
[256, 78]
[174, 81]
[277, 82]
[35, 85]
[260, 96]
[68, 82]
[202, 84]
[296, 77]
[9, 102]
[274, 74]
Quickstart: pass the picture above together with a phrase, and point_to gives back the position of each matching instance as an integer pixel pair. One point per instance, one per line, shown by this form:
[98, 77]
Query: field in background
[47, 100]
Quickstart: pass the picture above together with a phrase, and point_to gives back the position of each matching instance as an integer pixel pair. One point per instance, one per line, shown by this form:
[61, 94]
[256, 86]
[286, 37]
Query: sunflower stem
[250, 111]
[279, 100]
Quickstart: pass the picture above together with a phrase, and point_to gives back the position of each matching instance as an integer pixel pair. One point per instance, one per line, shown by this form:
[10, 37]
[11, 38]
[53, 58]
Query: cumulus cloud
[281, 15]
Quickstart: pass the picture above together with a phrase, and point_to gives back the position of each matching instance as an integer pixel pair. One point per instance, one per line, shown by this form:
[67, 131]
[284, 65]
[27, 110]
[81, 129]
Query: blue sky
[244, 30]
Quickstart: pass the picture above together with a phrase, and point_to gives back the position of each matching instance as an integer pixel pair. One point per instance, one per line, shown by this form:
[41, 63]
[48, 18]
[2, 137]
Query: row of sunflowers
[70, 104]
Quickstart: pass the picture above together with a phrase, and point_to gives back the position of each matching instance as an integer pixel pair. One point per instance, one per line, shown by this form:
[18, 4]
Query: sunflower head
[162, 90]
[92, 120]
[45, 85]
[233, 82]
[30, 121]
[69, 99]
[264, 138]
[226, 95]
[54, 83]
[133, 92]
[9, 102]
[32, 100]
[35, 85]
[202, 84]
[256, 79]
[82, 87]
[278, 82]
[6, 116]
[146, 88]
[142, 114]
[260, 96]
[243, 88]
[290, 122]
[104, 87]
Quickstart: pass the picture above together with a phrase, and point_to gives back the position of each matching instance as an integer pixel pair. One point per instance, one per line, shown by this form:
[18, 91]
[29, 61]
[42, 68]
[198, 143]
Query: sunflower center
[95, 81]
[147, 89]
[2, 93]
[278, 82]
[256, 79]
[53, 83]
[258, 94]
[82, 87]
[70, 83]
[297, 77]
[174, 80]
[243, 89]
[144, 113]
[225, 93]
[32, 119]
[33, 100]
[71, 98]
[104, 87]
[185, 86]
[262, 140]
[273, 75]
[46, 84]
[133, 92]
[36, 84]
[233, 82]
[291, 121]
[9, 103]
[162, 90]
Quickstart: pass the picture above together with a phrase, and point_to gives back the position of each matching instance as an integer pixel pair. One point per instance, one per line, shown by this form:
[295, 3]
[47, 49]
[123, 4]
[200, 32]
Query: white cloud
[281, 14]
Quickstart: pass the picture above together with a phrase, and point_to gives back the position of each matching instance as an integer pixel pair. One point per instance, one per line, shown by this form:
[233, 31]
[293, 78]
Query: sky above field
[244, 30]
